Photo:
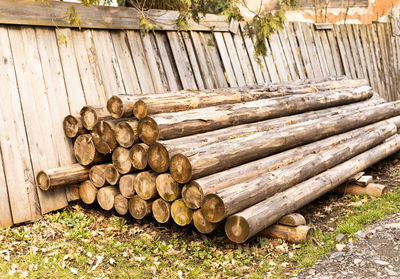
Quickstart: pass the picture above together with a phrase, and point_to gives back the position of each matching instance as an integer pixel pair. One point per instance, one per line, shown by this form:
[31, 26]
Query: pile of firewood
[247, 156]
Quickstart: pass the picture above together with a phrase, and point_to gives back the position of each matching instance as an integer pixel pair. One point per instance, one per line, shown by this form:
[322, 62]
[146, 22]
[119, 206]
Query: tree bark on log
[127, 185]
[179, 124]
[104, 137]
[112, 175]
[88, 192]
[91, 115]
[121, 204]
[85, 151]
[201, 223]
[121, 161]
[126, 132]
[228, 201]
[161, 210]
[181, 214]
[73, 126]
[138, 156]
[139, 208]
[142, 105]
[97, 175]
[245, 224]
[146, 185]
[290, 234]
[168, 189]
[106, 195]
[57, 177]
[227, 154]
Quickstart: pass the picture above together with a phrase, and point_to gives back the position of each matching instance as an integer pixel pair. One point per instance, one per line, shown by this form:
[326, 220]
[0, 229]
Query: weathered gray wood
[303, 50]
[333, 42]
[233, 56]
[284, 41]
[279, 58]
[288, 33]
[311, 50]
[359, 48]
[347, 49]
[320, 51]
[206, 70]
[326, 48]
[201, 80]
[230, 75]
[258, 73]
[367, 55]
[379, 85]
[243, 225]
[341, 50]
[244, 59]
[358, 64]
[5, 218]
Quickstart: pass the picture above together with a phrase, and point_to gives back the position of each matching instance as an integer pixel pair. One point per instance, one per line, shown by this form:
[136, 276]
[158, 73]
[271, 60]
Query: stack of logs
[247, 156]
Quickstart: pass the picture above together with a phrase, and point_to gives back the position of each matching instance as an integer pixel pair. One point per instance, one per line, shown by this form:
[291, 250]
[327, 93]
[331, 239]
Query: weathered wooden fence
[44, 78]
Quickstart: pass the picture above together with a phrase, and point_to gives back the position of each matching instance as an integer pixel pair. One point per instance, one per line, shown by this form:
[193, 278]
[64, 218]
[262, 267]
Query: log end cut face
[146, 185]
[104, 137]
[111, 174]
[125, 134]
[139, 156]
[88, 117]
[87, 192]
[201, 223]
[167, 187]
[213, 208]
[158, 158]
[138, 207]
[71, 126]
[115, 107]
[140, 109]
[192, 195]
[121, 161]
[121, 204]
[237, 229]
[43, 181]
[105, 198]
[161, 211]
[181, 214]
[180, 168]
[148, 130]
[84, 150]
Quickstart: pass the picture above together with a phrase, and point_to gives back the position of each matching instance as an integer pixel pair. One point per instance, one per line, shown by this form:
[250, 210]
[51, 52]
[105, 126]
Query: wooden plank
[287, 52]
[359, 48]
[140, 62]
[354, 51]
[312, 52]
[391, 57]
[375, 59]
[259, 72]
[226, 61]
[16, 162]
[367, 56]
[342, 51]
[384, 59]
[5, 217]
[155, 65]
[347, 48]
[295, 50]
[303, 50]
[202, 81]
[125, 61]
[107, 63]
[214, 58]
[328, 53]
[73, 84]
[168, 61]
[334, 46]
[278, 56]
[320, 52]
[182, 61]
[89, 73]
[237, 69]
[41, 13]
[244, 59]
[199, 49]
[35, 107]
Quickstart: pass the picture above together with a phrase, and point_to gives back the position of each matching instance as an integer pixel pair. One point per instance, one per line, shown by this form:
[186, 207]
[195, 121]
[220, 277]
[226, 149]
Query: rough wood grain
[61, 176]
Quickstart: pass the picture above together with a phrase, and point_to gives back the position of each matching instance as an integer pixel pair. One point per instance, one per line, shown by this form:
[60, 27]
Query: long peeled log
[179, 124]
[159, 153]
[245, 224]
[57, 177]
[194, 191]
[142, 105]
[228, 201]
[216, 157]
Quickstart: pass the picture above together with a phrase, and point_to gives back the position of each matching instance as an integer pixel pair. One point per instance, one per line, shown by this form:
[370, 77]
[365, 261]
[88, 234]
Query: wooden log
[104, 137]
[245, 224]
[356, 176]
[201, 223]
[127, 185]
[126, 132]
[121, 204]
[121, 161]
[162, 151]
[229, 153]
[73, 126]
[181, 214]
[290, 234]
[72, 193]
[364, 180]
[238, 197]
[111, 174]
[85, 151]
[97, 175]
[179, 124]
[292, 220]
[372, 189]
[145, 185]
[139, 208]
[167, 187]
[142, 105]
[88, 192]
[161, 210]
[91, 115]
[106, 196]
[57, 177]
[139, 156]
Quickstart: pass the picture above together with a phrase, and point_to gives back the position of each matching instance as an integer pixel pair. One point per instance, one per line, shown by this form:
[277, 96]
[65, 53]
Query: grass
[84, 243]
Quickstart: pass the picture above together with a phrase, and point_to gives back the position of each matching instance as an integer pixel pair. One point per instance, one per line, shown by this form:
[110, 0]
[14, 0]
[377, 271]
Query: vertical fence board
[334, 46]
[199, 49]
[190, 49]
[294, 49]
[320, 51]
[244, 60]
[284, 41]
[354, 51]
[367, 56]
[359, 49]
[258, 73]
[303, 50]
[214, 58]
[231, 49]
[5, 217]
[225, 59]
[326, 48]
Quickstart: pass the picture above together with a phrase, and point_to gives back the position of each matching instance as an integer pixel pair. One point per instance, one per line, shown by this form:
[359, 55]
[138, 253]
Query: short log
[73, 126]
[372, 189]
[121, 204]
[167, 187]
[201, 223]
[161, 210]
[88, 192]
[121, 161]
[104, 137]
[106, 196]
[126, 132]
[181, 214]
[138, 156]
[146, 185]
[57, 177]
[111, 174]
[139, 208]
[85, 151]
[127, 185]
[290, 234]
[90, 115]
[97, 175]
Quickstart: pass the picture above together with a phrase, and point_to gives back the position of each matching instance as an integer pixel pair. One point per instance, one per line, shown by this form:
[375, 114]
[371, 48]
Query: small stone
[381, 262]
[357, 261]
[340, 237]
[390, 272]
[336, 255]
[359, 234]
[340, 247]
[311, 271]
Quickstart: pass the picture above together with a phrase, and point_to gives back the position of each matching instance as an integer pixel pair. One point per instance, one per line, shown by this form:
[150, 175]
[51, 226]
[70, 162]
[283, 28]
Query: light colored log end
[139, 208]
[290, 234]
[111, 174]
[72, 193]
[181, 214]
[84, 150]
[104, 137]
[148, 130]
[121, 204]
[158, 158]
[87, 192]
[43, 181]
[167, 187]
[192, 195]
[213, 208]
[115, 107]
[140, 109]
[71, 125]
[106, 197]
[127, 185]
[161, 210]
[293, 219]
[97, 176]
[180, 168]
[88, 117]
[121, 161]
[201, 223]
[139, 156]
[126, 133]
[237, 228]
[145, 185]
